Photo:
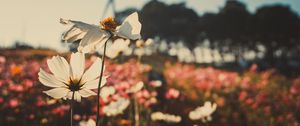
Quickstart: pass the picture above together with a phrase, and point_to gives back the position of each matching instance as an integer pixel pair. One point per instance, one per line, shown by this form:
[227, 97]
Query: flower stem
[136, 113]
[99, 84]
[72, 105]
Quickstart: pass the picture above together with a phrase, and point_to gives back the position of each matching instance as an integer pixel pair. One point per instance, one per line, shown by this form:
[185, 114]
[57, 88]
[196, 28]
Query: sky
[37, 21]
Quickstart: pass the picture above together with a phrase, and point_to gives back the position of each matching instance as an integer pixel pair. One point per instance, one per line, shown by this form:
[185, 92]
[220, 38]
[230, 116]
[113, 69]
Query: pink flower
[13, 103]
[1, 82]
[249, 101]
[2, 60]
[28, 83]
[139, 94]
[17, 88]
[172, 94]
[1, 100]
[243, 95]
[153, 93]
[76, 117]
[146, 93]
[40, 102]
[156, 83]
[267, 109]
[31, 116]
[141, 100]
[60, 110]
[253, 68]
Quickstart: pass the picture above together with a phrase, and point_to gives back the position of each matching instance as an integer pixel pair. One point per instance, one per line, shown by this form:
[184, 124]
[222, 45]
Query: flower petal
[107, 91]
[57, 93]
[77, 96]
[93, 72]
[49, 80]
[130, 28]
[86, 93]
[77, 31]
[214, 107]
[95, 37]
[77, 62]
[69, 95]
[73, 34]
[94, 83]
[59, 67]
[118, 46]
[137, 87]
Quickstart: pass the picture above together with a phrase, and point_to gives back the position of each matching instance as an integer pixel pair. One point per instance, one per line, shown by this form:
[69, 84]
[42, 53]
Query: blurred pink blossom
[172, 93]
[13, 103]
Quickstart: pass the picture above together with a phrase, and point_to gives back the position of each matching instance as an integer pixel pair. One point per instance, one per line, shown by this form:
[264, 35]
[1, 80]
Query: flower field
[117, 74]
[136, 93]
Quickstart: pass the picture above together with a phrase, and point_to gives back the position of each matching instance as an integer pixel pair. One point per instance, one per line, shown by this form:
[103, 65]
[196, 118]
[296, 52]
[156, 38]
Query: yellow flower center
[74, 85]
[109, 24]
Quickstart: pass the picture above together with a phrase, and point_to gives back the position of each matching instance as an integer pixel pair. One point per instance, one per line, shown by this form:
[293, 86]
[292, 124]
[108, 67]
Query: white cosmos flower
[130, 28]
[93, 36]
[89, 122]
[159, 116]
[185, 55]
[128, 51]
[137, 87]
[139, 52]
[163, 47]
[68, 78]
[141, 43]
[203, 112]
[118, 46]
[107, 91]
[172, 52]
[144, 47]
[117, 107]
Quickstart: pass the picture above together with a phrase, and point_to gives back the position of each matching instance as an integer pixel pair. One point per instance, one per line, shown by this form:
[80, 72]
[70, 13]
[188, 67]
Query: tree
[277, 28]
[155, 18]
[174, 22]
[229, 30]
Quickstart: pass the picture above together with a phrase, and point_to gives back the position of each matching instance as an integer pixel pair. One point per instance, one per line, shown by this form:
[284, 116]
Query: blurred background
[242, 55]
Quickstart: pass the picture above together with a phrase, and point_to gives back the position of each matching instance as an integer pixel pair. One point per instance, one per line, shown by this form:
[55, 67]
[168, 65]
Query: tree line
[233, 29]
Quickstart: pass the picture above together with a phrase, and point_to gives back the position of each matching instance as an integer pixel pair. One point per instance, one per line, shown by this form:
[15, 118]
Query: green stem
[99, 84]
[136, 113]
[71, 109]
[131, 112]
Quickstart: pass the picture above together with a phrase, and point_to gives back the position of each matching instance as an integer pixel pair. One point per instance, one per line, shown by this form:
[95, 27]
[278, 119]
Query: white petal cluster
[159, 116]
[139, 52]
[128, 51]
[107, 91]
[163, 46]
[89, 122]
[156, 83]
[185, 55]
[202, 53]
[117, 47]
[130, 28]
[182, 53]
[93, 36]
[137, 87]
[144, 47]
[117, 107]
[203, 112]
[69, 78]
